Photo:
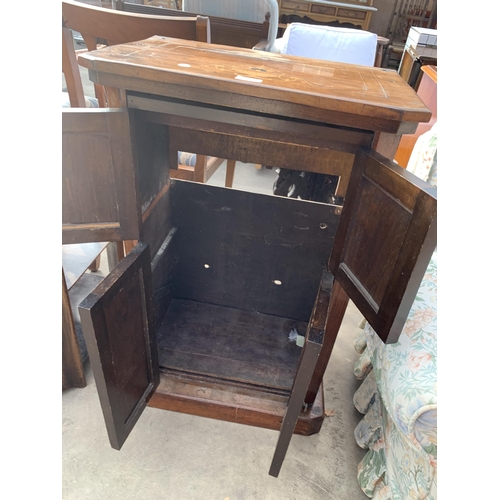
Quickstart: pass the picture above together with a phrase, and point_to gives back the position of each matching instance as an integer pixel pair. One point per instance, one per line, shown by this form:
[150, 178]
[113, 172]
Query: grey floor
[176, 456]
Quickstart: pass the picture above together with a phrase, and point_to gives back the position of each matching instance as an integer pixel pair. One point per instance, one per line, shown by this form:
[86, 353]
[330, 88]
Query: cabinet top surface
[327, 87]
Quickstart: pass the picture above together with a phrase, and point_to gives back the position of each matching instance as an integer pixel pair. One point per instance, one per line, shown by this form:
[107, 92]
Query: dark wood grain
[384, 242]
[336, 310]
[250, 254]
[322, 91]
[308, 360]
[151, 157]
[249, 241]
[119, 330]
[230, 344]
[99, 194]
[196, 395]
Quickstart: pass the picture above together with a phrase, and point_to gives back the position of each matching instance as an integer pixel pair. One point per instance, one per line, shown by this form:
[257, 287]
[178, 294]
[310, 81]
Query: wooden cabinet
[411, 62]
[356, 12]
[203, 315]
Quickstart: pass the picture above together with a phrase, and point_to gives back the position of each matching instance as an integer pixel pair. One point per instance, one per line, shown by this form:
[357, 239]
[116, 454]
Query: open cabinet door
[386, 236]
[119, 330]
[99, 195]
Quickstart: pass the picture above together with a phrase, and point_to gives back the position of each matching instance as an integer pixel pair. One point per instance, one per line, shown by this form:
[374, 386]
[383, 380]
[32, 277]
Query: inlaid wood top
[337, 93]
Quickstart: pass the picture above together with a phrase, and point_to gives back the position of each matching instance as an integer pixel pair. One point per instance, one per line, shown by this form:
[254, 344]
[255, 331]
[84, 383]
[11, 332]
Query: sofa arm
[406, 372]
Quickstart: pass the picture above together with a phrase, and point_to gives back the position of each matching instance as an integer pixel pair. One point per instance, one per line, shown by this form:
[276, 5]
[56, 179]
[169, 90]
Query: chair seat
[90, 102]
[328, 43]
[188, 159]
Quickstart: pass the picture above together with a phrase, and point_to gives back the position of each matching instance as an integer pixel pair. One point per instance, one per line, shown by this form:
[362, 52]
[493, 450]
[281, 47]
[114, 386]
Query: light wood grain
[335, 93]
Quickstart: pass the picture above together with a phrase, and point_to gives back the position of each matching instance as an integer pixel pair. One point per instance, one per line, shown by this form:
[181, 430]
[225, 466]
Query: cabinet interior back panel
[258, 253]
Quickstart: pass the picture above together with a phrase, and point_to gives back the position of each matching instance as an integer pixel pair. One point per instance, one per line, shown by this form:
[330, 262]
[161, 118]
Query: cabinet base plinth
[232, 403]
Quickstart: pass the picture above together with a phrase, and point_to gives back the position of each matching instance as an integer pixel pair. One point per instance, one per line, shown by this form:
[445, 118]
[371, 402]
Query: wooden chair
[110, 27]
[100, 27]
[224, 31]
[199, 168]
[236, 32]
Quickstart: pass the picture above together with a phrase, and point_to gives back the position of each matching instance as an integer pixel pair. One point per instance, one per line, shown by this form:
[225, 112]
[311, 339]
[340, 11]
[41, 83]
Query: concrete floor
[176, 456]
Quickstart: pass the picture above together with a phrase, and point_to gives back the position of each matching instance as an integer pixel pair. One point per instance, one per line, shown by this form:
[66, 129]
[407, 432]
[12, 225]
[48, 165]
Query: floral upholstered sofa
[398, 394]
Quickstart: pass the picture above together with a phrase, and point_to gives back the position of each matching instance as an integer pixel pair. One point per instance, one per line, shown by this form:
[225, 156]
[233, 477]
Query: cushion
[90, 102]
[187, 159]
[406, 372]
[329, 43]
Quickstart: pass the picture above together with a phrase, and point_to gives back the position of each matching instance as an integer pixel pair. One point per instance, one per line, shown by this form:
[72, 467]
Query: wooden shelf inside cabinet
[201, 316]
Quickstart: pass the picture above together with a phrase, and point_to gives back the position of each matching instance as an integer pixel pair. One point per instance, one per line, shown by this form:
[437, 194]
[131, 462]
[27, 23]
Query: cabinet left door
[99, 181]
[118, 325]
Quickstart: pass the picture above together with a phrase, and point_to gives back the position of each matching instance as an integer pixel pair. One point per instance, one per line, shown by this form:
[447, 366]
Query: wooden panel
[322, 9]
[232, 246]
[119, 332]
[231, 403]
[151, 155]
[264, 151]
[230, 344]
[295, 6]
[99, 200]
[337, 93]
[188, 115]
[384, 242]
[224, 31]
[351, 14]
[308, 358]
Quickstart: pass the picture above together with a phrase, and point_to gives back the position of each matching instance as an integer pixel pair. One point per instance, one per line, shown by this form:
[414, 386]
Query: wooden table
[234, 274]
[261, 100]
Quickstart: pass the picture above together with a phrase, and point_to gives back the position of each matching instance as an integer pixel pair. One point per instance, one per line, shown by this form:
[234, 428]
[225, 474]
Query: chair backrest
[111, 27]
[71, 71]
[224, 31]
[330, 43]
[114, 27]
[244, 10]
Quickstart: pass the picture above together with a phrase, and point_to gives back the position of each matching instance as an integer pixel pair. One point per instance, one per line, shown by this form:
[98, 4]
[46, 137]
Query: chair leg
[95, 265]
[230, 167]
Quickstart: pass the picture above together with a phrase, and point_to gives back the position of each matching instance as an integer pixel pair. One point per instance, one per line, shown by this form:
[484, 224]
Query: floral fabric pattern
[423, 159]
[398, 394]
[399, 397]
[90, 102]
